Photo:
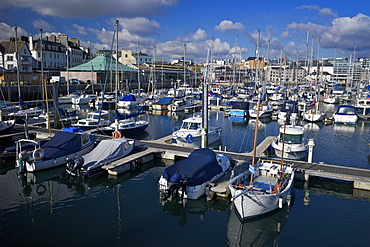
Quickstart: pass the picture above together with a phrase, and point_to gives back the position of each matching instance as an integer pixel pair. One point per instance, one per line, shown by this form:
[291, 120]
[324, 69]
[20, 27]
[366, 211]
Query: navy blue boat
[190, 177]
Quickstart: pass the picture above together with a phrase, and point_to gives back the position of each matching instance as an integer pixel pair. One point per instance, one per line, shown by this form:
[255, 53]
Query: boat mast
[116, 58]
[138, 66]
[255, 137]
[17, 58]
[204, 132]
[184, 64]
[42, 64]
[282, 152]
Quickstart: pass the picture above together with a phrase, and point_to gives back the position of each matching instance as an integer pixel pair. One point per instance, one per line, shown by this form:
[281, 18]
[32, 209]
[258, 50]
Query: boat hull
[194, 139]
[51, 163]
[253, 203]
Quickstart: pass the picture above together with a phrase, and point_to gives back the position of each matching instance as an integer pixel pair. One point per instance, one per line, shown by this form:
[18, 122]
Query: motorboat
[265, 110]
[180, 104]
[345, 114]
[191, 177]
[291, 142]
[239, 109]
[83, 99]
[289, 110]
[125, 127]
[129, 100]
[71, 143]
[94, 120]
[6, 126]
[262, 188]
[67, 99]
[190, 133]
[162, 104]
[104, 153]
[363, 107]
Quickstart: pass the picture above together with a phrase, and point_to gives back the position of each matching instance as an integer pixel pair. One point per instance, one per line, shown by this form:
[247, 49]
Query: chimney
[30, 40]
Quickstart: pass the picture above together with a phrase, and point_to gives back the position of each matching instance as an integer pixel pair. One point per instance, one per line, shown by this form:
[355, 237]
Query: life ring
[189, 138]
[40, 190]
[38, 154]
[116, 134]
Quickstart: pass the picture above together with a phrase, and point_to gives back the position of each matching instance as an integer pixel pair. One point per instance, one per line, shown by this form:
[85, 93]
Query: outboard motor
[173, 187]
[78, 164]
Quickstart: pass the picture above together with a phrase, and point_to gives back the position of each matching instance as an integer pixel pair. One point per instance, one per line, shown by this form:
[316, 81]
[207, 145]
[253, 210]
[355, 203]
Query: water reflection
[259, 231]
[181, 208]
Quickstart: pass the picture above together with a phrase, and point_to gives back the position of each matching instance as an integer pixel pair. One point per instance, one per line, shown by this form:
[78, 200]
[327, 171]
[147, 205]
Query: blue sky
[334, 29]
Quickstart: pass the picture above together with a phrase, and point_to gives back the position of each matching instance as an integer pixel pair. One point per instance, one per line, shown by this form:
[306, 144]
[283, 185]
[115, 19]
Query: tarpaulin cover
[106, 151]
[290, 106]
[62, 143]
[199, 167]
[128, 97]
[164, 101]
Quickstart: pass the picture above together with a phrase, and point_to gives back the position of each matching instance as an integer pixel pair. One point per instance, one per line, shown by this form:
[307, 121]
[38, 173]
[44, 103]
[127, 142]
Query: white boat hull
[250, 202]
[193, 139]
[42, 165]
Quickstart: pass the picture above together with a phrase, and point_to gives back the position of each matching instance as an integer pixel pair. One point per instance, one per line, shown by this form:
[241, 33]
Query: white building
[12, 51]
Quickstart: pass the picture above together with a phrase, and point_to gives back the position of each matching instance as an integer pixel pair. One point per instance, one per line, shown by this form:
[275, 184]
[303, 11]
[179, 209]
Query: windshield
[294, 139]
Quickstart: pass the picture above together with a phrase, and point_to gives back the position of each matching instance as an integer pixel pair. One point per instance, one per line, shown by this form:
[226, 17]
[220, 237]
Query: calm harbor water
[43, 209]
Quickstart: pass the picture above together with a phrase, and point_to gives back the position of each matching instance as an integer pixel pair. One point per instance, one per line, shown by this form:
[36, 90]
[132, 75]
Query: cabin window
[85, 139]
[291, 139]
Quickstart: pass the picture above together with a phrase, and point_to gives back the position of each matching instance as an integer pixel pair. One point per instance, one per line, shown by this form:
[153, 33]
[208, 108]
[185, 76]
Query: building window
[10, 58]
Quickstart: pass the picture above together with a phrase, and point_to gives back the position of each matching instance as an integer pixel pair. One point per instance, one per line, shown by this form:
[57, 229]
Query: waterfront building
[11, 61]
[53, 55]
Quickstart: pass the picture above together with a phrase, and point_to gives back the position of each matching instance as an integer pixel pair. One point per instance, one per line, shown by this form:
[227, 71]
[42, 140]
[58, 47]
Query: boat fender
[116, 134]
[40, 190]
[38, 154]
[280, 202]
[189, 138]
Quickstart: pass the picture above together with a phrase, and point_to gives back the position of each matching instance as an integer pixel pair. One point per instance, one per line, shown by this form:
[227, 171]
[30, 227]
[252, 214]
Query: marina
[141, 171]
[135, 132]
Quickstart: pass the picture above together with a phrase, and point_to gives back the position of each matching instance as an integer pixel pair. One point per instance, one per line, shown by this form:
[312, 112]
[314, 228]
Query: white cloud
[140, 25]
[7, 31]
[42, 24]
[80, 29]
[200, 34]
[344, 33]
[322, 11]
[285, 35]
[93, 8]
[227, 25]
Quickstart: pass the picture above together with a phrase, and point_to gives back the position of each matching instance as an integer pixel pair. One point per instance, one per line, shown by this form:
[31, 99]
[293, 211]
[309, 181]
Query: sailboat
[264, 187]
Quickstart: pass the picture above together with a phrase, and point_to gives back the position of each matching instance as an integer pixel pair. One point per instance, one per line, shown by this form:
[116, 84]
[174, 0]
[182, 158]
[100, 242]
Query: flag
[251, 169]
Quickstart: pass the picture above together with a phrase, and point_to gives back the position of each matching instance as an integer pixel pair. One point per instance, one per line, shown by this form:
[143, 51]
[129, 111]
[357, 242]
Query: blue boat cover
[346, 110]
[199, 167]
[164, 101]
[128, 97]
[290, 106]
[62, 143]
